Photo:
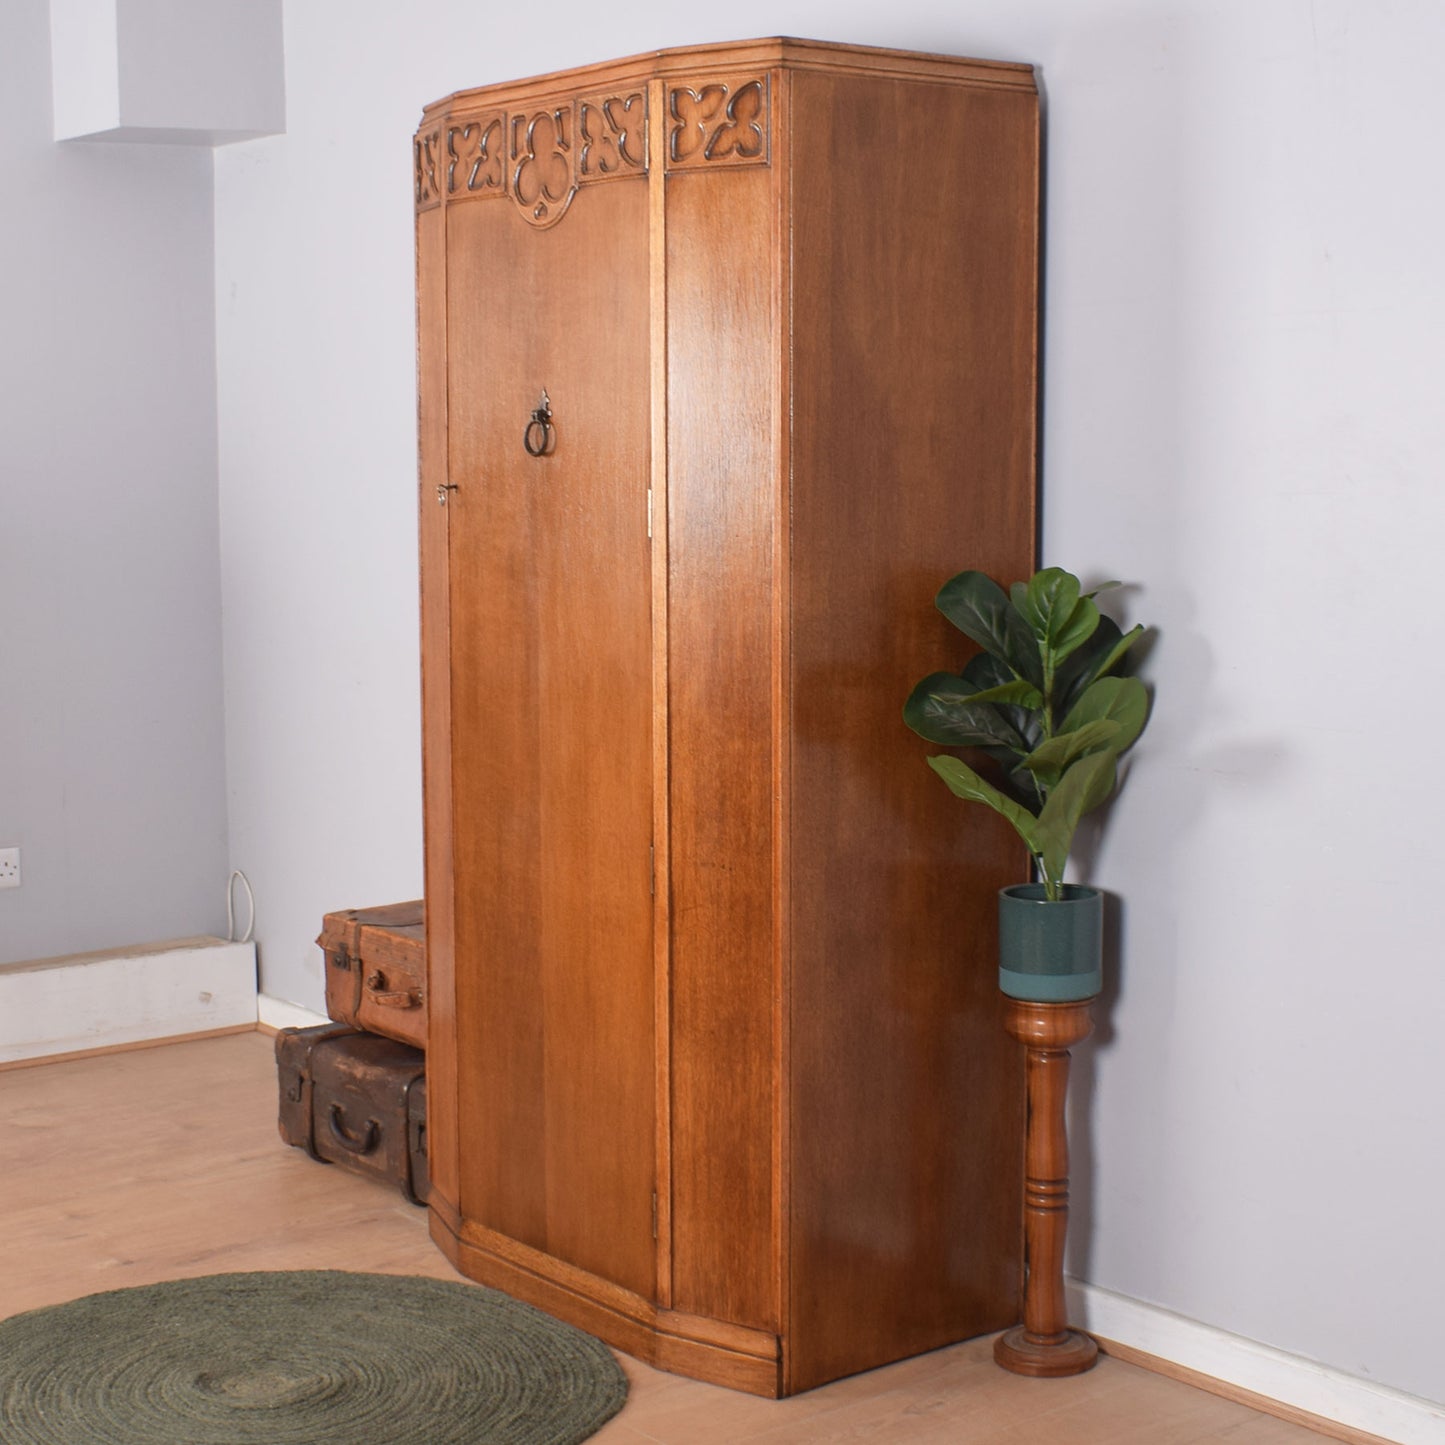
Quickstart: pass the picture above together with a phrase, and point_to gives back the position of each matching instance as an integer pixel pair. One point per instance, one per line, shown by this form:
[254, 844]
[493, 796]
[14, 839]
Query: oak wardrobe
[727, 361]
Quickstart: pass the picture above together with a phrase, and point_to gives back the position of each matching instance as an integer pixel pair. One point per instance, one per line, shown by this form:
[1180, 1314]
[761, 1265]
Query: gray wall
[111, 732]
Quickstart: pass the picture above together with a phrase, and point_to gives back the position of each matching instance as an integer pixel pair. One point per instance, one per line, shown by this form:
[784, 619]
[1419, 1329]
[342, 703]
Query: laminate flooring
[162, 1163]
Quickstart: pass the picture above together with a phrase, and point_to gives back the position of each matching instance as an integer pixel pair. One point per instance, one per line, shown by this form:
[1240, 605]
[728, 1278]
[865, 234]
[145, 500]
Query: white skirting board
[277, 1013]
[53, 1006]
[1290, 1379]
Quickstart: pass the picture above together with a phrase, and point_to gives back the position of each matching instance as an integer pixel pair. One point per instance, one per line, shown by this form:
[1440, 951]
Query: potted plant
[1045, 707]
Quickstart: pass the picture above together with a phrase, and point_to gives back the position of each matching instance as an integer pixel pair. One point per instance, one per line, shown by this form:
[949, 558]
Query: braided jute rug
[313, 1357]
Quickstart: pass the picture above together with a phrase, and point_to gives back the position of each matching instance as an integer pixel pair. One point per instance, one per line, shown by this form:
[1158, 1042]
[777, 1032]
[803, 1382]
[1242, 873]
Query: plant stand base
[1044, 1344]
[1069, 1354]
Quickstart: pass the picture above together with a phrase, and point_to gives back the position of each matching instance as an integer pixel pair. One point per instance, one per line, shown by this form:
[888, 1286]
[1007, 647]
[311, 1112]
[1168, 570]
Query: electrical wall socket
[9, 867]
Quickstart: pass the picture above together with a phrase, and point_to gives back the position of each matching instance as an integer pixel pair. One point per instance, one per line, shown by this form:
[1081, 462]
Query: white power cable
[231, 908]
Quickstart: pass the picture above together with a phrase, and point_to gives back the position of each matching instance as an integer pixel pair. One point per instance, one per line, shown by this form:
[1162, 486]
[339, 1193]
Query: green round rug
[314, 1357]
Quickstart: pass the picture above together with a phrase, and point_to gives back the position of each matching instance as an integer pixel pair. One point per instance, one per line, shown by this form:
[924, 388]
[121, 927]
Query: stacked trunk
[353, 1092]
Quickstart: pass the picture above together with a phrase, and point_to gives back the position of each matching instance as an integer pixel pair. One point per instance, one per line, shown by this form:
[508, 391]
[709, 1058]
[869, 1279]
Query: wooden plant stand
[1044, 1344]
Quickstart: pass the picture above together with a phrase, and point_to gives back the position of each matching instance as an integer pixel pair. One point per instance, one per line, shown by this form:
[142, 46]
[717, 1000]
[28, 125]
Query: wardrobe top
[779, 52]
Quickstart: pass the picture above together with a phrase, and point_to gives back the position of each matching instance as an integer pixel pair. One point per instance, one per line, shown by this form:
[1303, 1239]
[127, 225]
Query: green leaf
[983, 671]
[963, 782]
[1101, 783]
[979, 608]
[1064, 748]
[1050, 603]
[1099, 655]
[1125, 642]
[1017, 692]
[1120, 700]
[1077, 630]
[942, 709]
[1082, 788]
[1046, 600]
[1023, 785]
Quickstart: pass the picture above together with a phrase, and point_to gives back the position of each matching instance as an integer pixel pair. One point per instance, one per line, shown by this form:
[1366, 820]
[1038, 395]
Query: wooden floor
[165, 1162]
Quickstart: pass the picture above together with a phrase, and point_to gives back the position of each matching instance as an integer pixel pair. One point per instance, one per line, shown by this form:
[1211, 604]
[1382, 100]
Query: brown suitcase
[358, 1100]
[376, 970]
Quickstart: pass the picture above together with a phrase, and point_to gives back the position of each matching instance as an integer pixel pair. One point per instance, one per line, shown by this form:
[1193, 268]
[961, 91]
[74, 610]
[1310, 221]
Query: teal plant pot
[1050, 952]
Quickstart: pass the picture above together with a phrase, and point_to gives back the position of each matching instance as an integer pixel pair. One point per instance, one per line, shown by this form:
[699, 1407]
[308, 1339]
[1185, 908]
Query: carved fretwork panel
[718, 122]
[476, 157]
[537, 157]
[613, 131]
[544, 164]
[427, 159]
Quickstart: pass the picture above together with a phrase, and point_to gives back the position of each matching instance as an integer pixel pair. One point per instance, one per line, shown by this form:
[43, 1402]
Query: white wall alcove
[168, 72]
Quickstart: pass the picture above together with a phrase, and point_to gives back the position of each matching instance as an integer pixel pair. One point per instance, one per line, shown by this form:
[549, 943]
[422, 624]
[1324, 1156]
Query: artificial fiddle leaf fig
[1041, 699]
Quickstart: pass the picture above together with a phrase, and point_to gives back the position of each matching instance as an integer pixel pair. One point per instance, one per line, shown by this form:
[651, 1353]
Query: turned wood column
[1044, 1344]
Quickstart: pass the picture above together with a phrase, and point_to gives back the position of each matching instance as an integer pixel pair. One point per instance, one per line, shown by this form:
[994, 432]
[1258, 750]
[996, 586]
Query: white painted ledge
[277, 1013]
[170, 72]
[86, 1001]
[1290, 1379]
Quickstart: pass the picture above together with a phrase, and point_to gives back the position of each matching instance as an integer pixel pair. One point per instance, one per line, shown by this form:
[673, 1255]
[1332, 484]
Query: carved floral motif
[718, 122]
[543, 161]
[614, 135]
[476, 162]
[426, 151]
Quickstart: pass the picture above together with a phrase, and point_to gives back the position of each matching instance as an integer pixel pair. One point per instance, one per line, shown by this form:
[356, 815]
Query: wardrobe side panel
[431, 279]
[722, 500]
[914, 341]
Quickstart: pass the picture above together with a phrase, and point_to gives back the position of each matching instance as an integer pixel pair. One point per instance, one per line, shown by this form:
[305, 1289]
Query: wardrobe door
[549, 564]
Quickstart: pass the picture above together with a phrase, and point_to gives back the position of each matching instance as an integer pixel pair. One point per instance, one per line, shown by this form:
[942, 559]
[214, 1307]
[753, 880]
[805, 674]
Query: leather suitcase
[376, 969]
[358, 1100]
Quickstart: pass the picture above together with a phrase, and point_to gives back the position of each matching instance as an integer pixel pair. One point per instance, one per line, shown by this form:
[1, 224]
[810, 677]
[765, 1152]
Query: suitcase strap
[346, 958]
[303, 1088]
[415, 1145]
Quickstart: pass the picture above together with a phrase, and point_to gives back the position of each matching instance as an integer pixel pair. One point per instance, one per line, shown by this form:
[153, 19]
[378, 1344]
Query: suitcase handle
[352, 1143]
[377, 993]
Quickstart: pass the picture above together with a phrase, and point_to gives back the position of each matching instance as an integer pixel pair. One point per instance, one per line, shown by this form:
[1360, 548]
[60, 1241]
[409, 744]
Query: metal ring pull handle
[538, 437]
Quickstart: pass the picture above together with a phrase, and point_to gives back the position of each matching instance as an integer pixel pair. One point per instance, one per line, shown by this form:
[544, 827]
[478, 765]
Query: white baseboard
[1331, 1394]
[277, 1013]
[85, 1001]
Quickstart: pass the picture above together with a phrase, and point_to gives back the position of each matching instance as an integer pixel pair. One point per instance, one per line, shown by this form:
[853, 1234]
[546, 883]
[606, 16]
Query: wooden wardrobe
[716, 1065]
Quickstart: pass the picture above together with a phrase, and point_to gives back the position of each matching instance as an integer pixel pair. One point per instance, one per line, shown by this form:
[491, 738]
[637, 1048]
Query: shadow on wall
[1120, 341]
[1116, 263]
